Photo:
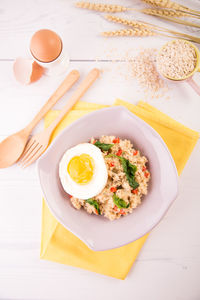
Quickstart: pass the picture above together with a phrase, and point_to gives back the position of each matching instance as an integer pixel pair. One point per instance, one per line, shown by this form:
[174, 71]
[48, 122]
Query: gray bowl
[98, 233]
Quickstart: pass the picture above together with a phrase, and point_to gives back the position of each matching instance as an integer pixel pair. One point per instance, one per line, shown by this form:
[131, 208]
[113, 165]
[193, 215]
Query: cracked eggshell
[27, 70]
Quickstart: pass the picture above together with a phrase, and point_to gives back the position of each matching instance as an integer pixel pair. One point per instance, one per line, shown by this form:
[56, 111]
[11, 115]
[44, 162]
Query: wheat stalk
[123, 21]
[145, 32]
[168, 18]
[177, 33]
[167, 13]
[129, 32]
[132, 32]
[171, 5]
[138, 24]
[101, 7]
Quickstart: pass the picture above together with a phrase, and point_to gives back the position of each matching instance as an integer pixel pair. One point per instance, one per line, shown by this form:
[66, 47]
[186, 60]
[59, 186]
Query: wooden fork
[39, 142]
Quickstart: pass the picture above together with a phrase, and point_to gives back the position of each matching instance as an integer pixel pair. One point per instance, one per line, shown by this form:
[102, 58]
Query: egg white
[100, 175]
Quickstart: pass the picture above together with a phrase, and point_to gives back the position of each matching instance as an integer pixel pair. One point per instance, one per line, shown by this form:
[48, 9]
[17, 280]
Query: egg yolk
[81, 168]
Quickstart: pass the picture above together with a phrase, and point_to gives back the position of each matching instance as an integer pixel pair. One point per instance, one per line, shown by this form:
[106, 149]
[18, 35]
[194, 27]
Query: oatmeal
[127, 182]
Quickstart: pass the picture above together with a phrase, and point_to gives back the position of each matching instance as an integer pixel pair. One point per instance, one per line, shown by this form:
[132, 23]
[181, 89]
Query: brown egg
[26, 70]
[45, 45]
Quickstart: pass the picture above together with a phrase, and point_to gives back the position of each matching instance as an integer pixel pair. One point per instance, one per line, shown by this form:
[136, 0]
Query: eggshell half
[26, 70]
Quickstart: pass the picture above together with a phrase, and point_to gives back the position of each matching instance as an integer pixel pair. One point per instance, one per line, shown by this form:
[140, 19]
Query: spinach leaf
[129, 170]
[120, 202]
[102, 146]
[134, 184]
[94, 203]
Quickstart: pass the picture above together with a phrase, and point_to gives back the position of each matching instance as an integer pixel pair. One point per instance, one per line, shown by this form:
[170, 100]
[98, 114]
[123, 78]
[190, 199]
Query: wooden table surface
[168, 266]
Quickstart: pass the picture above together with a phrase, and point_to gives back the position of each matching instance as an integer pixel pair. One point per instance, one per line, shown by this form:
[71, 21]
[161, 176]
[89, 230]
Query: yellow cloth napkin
[60, 245]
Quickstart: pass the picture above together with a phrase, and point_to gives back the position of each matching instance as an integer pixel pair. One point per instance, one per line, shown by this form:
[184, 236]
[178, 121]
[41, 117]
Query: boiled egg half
[82, 171]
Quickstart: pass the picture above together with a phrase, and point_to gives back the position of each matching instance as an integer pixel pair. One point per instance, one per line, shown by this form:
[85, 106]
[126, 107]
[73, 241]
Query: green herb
[103, 147]
[94, 203]
[129, 170]
[120, 202]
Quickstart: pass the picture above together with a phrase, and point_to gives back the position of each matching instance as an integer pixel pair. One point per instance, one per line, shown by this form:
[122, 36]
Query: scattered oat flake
[144, 70]
[141, 65]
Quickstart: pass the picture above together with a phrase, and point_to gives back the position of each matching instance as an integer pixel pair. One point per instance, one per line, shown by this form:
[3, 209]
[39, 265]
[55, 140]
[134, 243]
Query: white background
[168, 266]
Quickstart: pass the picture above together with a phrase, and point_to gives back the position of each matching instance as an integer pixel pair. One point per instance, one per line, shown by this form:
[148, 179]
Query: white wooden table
[168, 266]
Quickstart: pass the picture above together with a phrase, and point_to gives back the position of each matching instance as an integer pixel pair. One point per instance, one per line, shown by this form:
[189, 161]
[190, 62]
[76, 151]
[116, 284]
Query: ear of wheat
[101, 7]
[129, 32]
[123, 21]
[167, 13]
[171, 5]
[164, 3]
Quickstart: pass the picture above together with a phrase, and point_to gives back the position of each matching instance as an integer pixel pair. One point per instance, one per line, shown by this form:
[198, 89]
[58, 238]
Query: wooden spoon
[12, 147]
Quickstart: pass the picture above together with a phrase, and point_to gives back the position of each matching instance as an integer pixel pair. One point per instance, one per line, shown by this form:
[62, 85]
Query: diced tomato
[135, 152]
[70, 196]
[119, 152]
[113, 189]
[144, 169]
[146, 174]
[94, 141]
[96, 211]
[116, 141]
[115, 208]
[135, 191]
[122, 212]
[111, 164]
